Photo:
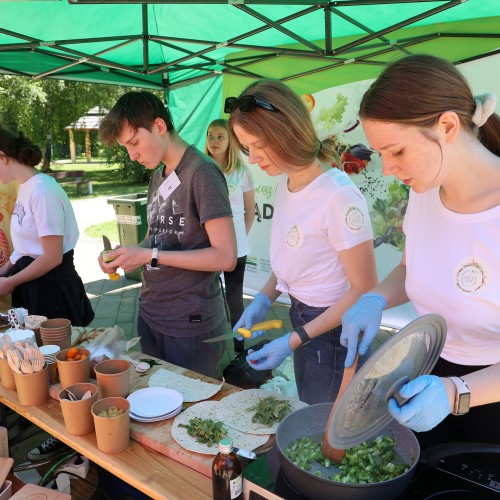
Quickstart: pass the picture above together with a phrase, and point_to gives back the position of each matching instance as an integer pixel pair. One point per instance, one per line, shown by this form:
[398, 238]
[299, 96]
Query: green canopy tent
[198, 51]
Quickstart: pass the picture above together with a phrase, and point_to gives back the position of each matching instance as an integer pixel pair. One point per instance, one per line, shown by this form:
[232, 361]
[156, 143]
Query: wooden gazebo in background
[89, 121]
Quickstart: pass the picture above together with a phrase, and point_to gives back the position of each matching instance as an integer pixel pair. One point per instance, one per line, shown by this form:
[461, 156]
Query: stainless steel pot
[311, 422]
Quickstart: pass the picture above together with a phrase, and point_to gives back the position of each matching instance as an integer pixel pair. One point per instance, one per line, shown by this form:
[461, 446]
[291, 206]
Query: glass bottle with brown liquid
[227, 478]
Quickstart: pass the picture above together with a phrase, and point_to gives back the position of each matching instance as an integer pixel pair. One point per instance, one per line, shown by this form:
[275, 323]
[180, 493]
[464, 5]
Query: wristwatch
[462, 397]
[154, 258]
[301, 332]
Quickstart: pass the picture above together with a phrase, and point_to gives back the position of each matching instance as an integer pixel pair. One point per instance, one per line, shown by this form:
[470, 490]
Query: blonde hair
[289, 131]
[233, 161]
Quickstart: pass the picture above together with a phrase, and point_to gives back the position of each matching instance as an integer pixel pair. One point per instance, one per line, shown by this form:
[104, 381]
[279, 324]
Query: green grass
[110, 229]
[105, 180]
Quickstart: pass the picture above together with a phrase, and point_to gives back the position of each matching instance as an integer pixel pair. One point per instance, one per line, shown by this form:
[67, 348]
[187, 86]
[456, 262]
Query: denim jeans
[189, 352]
[318, 365]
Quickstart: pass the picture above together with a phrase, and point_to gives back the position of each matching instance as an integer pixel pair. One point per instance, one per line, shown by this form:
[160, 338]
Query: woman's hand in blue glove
[271, 355]
[428, 406]
[254, 313]
[363, 316]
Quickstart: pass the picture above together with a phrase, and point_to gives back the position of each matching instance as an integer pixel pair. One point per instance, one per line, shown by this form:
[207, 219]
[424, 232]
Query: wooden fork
[37, 365]
[26, 367]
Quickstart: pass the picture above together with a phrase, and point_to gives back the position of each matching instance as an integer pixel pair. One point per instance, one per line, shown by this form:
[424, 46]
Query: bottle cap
[225, 445]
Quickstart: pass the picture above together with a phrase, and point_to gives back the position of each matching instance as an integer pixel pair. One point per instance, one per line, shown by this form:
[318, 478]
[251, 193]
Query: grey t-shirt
[181, 302]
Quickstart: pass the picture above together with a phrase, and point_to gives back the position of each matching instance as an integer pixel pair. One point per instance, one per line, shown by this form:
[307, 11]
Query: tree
[42, 108]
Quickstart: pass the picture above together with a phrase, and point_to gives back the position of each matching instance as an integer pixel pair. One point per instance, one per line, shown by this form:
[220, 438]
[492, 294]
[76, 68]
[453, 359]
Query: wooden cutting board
[5, 467]
[33, 491]
[157, 435]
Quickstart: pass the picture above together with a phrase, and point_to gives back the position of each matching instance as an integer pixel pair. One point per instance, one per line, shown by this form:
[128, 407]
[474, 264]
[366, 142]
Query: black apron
[57, 294]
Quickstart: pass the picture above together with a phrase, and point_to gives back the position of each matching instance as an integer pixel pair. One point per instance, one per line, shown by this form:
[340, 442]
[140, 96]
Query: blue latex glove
[271, 355]
[254, 313]
[428, 406]
[363, 316]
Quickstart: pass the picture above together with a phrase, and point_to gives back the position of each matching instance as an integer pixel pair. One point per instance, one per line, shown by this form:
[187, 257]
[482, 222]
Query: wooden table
[153, 473]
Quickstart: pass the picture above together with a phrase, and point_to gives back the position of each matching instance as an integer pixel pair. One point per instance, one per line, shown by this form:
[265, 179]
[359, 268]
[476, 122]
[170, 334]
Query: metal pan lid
[361, 412]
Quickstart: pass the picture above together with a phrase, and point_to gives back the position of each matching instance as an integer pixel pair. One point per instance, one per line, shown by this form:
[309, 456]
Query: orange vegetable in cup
[72, 352]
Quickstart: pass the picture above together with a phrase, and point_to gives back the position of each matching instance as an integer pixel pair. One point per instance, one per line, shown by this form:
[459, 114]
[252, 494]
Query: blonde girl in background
[223, 149]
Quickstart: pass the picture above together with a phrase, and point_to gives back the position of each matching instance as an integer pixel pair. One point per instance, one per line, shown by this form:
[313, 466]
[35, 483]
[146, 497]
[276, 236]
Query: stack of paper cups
[56, 332]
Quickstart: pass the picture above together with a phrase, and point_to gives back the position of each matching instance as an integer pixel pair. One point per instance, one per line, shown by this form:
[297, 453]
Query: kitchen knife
[245, 332]
[107, 246]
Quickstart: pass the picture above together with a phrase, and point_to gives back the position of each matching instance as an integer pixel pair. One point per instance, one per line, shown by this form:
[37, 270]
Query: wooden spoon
[334, 454]
[86, 395]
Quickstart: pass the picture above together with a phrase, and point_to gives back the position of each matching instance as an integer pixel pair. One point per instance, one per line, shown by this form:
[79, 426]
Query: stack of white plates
[154, 404]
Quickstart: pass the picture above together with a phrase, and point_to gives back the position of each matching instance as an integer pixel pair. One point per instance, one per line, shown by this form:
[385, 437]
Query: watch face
[463, 403]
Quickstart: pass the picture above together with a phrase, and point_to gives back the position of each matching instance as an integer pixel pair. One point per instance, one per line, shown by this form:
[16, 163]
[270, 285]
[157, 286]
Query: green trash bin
[131, 217]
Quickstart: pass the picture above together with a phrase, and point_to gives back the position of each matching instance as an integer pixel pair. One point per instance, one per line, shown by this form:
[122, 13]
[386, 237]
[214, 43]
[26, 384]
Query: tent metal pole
[84, 58]
[145, 40]
[208, 59]
[278, 27]
[349, 19]
[402, 24]
[328, 30]
[480, 56]
[235, 39]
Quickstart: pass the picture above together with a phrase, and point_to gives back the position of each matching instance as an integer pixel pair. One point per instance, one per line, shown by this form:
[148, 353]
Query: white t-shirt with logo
[42, 209]
[309, 229]
[453, 269]
[238, 183]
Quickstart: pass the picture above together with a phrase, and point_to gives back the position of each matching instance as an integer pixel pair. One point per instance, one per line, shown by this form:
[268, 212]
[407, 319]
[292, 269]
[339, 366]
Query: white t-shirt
[308, 230]
[239, 182]
[453, 269]
[42, 209]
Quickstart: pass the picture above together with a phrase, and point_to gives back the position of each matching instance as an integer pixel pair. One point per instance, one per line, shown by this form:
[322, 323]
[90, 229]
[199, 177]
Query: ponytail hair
[417, 89]
[19, 148]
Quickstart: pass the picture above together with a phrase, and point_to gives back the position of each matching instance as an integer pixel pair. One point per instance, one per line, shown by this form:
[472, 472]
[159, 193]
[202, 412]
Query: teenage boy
[190, 237]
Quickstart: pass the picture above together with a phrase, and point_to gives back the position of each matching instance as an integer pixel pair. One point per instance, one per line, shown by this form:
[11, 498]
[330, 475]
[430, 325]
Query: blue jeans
[319, 365]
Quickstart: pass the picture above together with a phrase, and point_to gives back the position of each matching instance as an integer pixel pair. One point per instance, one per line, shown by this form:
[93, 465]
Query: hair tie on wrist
[485, 107]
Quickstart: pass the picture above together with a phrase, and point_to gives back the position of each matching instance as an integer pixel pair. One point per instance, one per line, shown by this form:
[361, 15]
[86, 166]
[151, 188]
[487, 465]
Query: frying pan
[310, 422]
[360, 414]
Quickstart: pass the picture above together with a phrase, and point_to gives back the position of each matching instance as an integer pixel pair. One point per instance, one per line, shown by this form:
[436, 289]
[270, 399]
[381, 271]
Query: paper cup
[73, 372]
[113, 378]
[32, 388]
[112, 433]
[77, 415]
[7, 376]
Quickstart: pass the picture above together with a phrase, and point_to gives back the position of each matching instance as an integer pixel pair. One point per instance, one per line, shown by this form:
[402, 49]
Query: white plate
[153, 402]
[49, 349]
[133, 416]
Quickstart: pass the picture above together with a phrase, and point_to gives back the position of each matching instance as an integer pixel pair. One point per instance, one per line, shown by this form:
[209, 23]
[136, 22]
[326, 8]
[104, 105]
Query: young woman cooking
[40, 273]
[435, 136]
[321, 247]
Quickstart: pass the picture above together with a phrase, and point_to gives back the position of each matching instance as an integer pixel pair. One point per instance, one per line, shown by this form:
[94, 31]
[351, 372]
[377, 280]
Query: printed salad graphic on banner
[334, 116]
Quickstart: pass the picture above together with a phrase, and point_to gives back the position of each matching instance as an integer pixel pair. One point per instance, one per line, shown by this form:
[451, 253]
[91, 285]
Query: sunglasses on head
[246, 103]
